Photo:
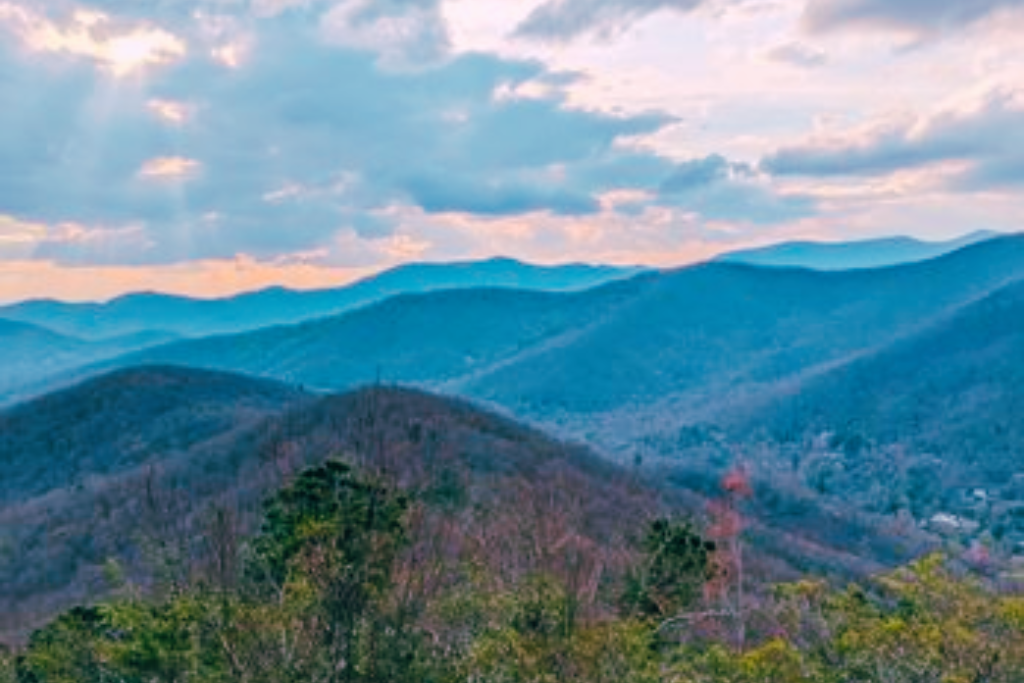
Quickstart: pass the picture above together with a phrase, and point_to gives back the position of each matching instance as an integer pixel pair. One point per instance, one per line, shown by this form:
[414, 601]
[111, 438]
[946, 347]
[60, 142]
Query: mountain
[412, 338]
[128, 464]
[953, 390]
[697, 337]
[185, 316]
[873, 253]
[665, 365]
[123, 420]
[132, 465]
[701, 335]
[646, 358]
[31, 351]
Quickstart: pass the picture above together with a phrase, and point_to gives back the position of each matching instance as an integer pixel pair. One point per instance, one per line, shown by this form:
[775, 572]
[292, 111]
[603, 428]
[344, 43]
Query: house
[948, 524]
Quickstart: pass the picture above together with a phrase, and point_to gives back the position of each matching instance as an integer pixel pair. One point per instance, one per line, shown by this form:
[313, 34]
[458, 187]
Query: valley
[884, 401]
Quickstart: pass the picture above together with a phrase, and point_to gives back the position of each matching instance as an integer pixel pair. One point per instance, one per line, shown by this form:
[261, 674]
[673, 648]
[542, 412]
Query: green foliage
[530, 643]
[8, 674]
[928, 625]
[336, 593]
[66, 650]
[776, 661]
[676, 565]
[330, 541]
[329, 509]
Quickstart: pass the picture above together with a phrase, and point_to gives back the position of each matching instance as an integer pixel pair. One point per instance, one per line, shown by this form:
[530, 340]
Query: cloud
[698, 173]
[985, 134]
[400, 32]
[565, 20]
[304, 139]
[448, 195]
[176, 113]
[120, 47]
[169, 168]
[918, 17]
[717, 189]
[404, 32]
[797, 54]
[18, 239]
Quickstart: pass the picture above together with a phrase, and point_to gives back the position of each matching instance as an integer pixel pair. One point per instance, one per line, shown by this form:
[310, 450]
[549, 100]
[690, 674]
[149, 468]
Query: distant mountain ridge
[872, 253]
[29, 351]
[187, 316]
[645, 359]
[706, 328]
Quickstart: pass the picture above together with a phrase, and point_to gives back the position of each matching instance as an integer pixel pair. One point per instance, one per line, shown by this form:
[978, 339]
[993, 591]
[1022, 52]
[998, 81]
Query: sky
[212, 146]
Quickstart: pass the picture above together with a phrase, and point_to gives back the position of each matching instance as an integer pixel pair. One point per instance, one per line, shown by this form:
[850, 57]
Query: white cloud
[169, 168]
[120, 49]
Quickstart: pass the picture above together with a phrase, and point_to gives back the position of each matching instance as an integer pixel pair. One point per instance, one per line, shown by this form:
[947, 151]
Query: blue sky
[208, 146]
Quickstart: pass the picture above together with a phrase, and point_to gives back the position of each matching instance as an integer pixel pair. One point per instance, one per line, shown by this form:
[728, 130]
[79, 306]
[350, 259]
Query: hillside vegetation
[136, 460]
[132, 463]
[779, 475]
[349, 577]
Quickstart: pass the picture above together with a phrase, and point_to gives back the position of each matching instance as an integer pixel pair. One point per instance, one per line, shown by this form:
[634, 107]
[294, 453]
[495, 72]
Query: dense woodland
[350, 578]
[495, 556]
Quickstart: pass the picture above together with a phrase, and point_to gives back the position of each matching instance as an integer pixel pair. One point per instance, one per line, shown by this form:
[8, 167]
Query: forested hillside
[769, 425]
[350, 576]
[889, 393]
[133, 463]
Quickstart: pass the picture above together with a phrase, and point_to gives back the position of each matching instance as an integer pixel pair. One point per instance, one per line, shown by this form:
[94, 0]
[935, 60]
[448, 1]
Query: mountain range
[860, 400]
[700, 338]
[172, 315]
[184, 316]
[872, 253]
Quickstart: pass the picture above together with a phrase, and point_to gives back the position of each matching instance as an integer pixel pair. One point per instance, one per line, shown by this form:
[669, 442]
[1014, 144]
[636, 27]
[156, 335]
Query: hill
[141, 500]
[421, 338]
[113, 466]
[121, 421]
[666, 366]
[874, 253]
[187, 316]
[949, 396]
[31, 351]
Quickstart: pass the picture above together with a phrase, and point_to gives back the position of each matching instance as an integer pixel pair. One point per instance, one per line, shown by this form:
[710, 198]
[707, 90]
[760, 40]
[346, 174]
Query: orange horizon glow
[29, 280]
[34, 280]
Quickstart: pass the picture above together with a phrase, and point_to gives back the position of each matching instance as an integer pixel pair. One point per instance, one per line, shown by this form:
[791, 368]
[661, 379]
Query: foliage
[339, 588]
[530, 642]
[677, 564]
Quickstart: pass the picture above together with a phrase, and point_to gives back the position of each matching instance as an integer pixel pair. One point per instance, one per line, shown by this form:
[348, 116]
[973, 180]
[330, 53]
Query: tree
[725, 584]
[8, 672]
[328, 546]
[676, 564]
[65, 650]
